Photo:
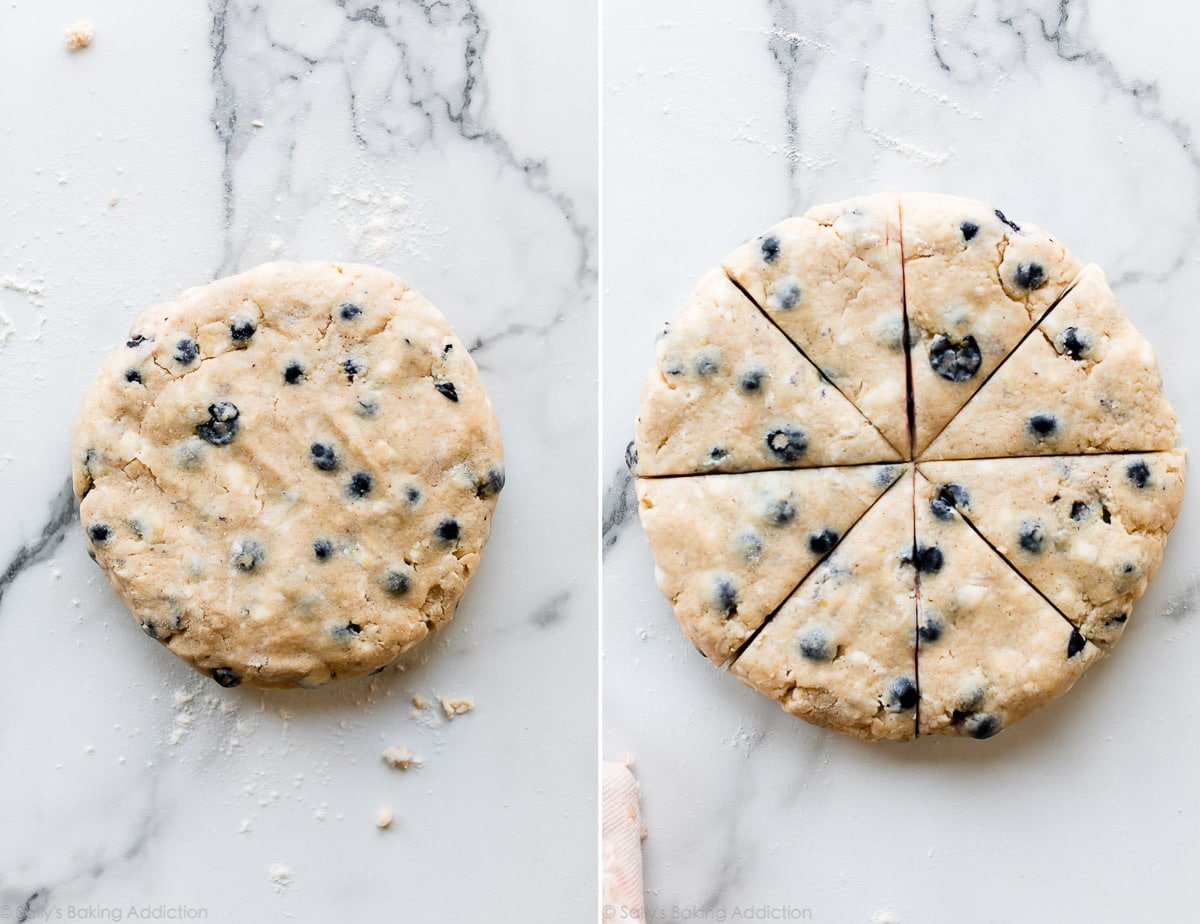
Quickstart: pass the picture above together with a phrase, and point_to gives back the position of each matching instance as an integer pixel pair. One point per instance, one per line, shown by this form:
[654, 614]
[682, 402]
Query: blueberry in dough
[1011, 224]
[949, 497]
[1032, 537]
[1042, 425]
[135, 341]
[708, 364]
[781, 513]
[359, 485]
[955, 361]
[822, 542]
[770, 248]
[347, 630]
[1073, 343]
[1075, 643]
[322, 549]
[395, 582]
[787, 443]
[323, 456]
[969, 229]
[133, 376]
[928, 559]
[902, 695]
[717, 453]
[352, 367]
[247, 554]
[1079, 511]
[749, 545]
[241, 331]
[99, 532]
[222, 424]
[725, 596]
[186, 351]
[293, 372]
[447, 530]
[752, 380]
[1138, 472]
[349, 311]
[932, 628]
[787, 295]
[412, 494]
[1029, 275]
[226, 677]
[815, 644]
[982, 725]
[446, 389]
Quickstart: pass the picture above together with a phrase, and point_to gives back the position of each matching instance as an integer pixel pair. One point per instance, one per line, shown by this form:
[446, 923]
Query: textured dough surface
[832, 282]
[840, 652]
[1085, 381]
[289, 474]
[990, 650]
[1087, 531]
[730, 393]
[730, 548]
[974, 284]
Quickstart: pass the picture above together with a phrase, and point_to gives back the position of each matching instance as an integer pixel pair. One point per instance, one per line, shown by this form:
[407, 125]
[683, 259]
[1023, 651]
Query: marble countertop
[455, 143]
[720, 119]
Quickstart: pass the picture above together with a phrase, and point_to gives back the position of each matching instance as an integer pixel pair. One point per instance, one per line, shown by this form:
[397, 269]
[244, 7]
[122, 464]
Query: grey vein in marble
[62, 515]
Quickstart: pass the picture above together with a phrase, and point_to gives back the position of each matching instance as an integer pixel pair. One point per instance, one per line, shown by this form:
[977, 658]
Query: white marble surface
[454, 142]
[721, 118]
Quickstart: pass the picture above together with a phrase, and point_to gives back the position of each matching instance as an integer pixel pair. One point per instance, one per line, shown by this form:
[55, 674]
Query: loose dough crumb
[419, 701]
[457, 707]
[80, 35]
[399, 758]
[281, 876]
[383, 820]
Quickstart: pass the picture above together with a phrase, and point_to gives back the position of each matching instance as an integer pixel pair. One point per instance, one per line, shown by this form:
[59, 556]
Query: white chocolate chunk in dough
[730, 548]
[973, 286]
[832, 282]
[1087, 531]
[840, 651]
[729, 393]
[990, 650]
[1085, 381]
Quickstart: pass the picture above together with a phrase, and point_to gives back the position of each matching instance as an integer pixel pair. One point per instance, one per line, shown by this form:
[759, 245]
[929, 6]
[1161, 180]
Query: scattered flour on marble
[798, 40]
[911, 151]
[884, 916]
[280, 875]
[80, 35]
[793, 154]
[245, 828]
[33, 287]
[381, 223]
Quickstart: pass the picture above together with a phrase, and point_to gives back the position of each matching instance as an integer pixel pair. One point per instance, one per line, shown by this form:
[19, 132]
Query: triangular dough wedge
[832, 282]
[730, 548]
[974, 284]
[840, 651]
[1084, 382]
[731, 394]
[1087, 531]
[990, 650]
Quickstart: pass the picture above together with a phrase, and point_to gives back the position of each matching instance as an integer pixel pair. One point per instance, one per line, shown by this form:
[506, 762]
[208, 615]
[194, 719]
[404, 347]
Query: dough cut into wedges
[974, 283]
[990, 650]
[730, 393]
[1085, 381]
[730, 548]
[832, 282]
[840, 652]
[1087, 531]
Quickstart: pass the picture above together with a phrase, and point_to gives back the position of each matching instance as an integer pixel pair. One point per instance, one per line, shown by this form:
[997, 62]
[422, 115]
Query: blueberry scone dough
[730, 548]
[729, 393]
[990, 649]
[840, 651]
[1085, 381]
[832, 282]
[1087, 531]
[974, 283]
[289, 475]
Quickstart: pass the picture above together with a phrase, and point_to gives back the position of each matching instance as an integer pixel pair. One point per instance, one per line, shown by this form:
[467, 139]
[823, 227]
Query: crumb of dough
[383, 819]
[280, 875]
[113, 198]
[419, 701]
[245, 828]
[457, 707]
[80, 35]
[257, 123]
[399, 758]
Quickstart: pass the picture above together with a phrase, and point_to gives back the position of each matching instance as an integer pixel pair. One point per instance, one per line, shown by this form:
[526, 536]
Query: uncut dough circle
[993, 298]
[289, 474]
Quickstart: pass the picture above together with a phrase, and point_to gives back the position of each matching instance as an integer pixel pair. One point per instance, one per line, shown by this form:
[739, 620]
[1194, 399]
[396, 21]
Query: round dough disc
[289, 474]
